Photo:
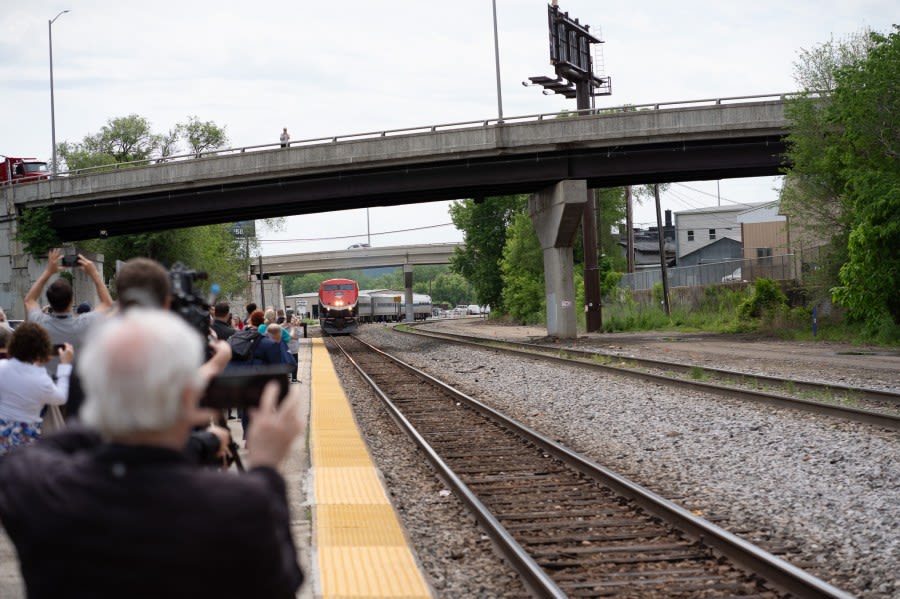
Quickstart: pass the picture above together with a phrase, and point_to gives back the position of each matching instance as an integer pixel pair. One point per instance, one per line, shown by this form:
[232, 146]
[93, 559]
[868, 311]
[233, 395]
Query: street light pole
[52, 107]
[497, 65]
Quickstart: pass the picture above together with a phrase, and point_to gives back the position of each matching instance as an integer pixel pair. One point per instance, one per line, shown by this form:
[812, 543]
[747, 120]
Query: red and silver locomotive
[338, 306]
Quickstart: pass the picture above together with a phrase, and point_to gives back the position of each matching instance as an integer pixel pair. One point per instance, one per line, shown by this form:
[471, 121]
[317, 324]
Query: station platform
[359, 548]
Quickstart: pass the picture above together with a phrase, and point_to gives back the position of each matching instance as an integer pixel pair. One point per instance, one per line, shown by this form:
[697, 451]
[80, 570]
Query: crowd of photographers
[120, 500]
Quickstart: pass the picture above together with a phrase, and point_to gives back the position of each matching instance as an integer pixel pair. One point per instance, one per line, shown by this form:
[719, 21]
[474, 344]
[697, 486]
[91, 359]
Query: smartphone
[242, 387]
[57, 347]
[70, 260]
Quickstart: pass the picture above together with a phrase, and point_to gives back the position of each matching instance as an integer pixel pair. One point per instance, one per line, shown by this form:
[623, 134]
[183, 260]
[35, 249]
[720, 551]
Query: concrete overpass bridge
[553, 157]
[401, 255]
[696, 140]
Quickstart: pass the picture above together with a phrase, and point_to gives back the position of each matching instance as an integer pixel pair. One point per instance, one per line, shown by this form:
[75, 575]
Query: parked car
[733, 277]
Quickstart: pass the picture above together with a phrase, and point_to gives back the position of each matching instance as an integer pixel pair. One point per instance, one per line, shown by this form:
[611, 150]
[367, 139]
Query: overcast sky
[349, 66]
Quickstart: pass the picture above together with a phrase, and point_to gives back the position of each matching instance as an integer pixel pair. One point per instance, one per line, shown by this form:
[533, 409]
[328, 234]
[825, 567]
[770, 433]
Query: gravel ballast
[827, 489]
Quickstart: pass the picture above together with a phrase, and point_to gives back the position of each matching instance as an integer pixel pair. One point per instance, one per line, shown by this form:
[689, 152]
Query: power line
[335, 237]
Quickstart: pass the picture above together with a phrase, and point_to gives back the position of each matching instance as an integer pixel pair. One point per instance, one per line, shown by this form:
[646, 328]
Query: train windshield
[339, 287]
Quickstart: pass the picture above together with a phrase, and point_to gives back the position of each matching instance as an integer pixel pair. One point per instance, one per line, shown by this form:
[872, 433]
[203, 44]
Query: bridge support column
[556, 213]
[15, 279]
[407, 286]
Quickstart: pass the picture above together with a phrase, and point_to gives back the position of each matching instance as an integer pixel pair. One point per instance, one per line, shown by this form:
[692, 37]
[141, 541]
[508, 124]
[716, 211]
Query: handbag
[53, 420]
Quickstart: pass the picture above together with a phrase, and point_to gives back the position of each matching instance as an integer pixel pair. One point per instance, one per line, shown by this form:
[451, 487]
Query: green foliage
[658, 294]
[122, 139]
[202, 136]
[451, 288]
[484, 224]
[209, 248]
[866, 102]
[766, 298]
[610, 211]
[35, 232]
[522, 270]
[846, 172]
[609, 284]
[130, 139]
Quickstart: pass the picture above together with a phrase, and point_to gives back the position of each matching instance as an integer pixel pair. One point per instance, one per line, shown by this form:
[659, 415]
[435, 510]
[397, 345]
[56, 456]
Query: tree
[202, 136]
[866, 102]
[611, 211]
[210, 248]
[122, 139]
[450, 288]
[816, 68]
[522, 269]
[845, 174]
[484, 224]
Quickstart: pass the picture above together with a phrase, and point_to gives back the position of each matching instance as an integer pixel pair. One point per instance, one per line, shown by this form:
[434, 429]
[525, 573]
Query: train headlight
[338, 303]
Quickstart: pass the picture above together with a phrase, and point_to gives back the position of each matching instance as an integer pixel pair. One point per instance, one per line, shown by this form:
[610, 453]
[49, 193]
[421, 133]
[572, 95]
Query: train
[338, 306]
[389, 305]
[375, 305]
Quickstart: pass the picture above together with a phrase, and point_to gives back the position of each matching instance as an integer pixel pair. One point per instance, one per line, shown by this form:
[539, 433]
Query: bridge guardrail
[473, 124]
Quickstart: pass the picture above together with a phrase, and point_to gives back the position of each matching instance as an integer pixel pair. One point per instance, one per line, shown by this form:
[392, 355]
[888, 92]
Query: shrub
[766, 298]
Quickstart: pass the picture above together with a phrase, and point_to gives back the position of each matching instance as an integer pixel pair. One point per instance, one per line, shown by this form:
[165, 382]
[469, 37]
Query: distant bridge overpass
[433, 253]
[697, 140]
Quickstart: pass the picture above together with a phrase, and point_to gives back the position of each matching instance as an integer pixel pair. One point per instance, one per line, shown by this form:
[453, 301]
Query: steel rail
[774, 569]
[888, 421]
[532, 574]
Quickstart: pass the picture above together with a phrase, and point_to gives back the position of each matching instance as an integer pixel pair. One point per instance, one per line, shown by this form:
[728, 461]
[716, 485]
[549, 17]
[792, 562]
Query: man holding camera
[116, 510]
[61, 323]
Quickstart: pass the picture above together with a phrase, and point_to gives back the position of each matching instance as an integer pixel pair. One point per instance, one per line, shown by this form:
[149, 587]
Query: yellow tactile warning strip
[360, 549]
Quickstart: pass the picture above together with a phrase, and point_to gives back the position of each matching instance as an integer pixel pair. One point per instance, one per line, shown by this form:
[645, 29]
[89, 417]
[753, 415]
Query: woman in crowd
[294, 333]
[27, 387]
[271, 318]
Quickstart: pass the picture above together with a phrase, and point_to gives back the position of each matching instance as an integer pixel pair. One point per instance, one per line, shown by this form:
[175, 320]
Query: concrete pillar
[407, 286]
[556, 213]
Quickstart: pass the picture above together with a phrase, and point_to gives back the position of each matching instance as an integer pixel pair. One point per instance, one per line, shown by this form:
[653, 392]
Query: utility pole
[52, 104]
[497, 66]
[629, 229]
[262, 285]
[662, 251]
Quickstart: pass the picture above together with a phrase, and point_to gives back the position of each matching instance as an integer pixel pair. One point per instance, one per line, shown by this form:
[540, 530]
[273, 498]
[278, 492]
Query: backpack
[243, 344]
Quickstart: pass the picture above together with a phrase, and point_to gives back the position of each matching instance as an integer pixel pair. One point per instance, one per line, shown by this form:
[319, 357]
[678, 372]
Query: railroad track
[570, 527]
[881, 408]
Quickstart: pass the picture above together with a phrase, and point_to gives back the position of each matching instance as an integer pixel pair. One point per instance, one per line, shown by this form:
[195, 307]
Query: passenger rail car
[421, 306]
[389, 305]
[338, 306]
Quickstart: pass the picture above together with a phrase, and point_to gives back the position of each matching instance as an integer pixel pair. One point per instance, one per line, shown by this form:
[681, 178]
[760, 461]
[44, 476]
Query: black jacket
[223, 331]
[91, 519]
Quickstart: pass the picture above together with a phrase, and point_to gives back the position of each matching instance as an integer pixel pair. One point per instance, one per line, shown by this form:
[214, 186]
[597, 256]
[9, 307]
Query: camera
[186, 302]
[70, 260]
[242, 387]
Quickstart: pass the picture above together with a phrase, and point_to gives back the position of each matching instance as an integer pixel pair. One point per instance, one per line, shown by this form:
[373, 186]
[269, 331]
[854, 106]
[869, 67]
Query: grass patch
[721, 309]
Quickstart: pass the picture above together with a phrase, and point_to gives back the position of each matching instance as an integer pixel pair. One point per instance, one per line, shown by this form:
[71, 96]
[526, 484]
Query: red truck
[22, 170]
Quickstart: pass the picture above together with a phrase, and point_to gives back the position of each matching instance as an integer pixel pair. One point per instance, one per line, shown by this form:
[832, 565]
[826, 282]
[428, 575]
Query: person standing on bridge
[285, 138]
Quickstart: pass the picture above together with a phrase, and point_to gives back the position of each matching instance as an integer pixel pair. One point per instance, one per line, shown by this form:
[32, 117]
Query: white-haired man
[116, 510]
